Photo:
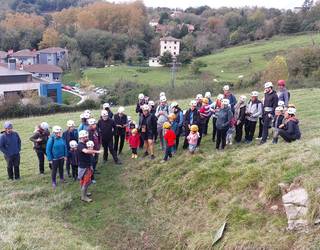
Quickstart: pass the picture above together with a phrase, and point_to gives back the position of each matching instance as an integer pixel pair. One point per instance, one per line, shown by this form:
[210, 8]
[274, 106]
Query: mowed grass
[176, 205]
[226, 65]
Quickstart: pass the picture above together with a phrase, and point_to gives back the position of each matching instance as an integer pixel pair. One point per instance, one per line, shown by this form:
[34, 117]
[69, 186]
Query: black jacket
[150, 121]
[270, 100]
[106, 129]
[292, 128]
[123, 121]
[196, 118]
[44, 136]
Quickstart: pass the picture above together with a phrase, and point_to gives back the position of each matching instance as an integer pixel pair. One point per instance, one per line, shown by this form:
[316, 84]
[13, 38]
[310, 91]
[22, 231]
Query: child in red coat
[170, 139]
[134, 142]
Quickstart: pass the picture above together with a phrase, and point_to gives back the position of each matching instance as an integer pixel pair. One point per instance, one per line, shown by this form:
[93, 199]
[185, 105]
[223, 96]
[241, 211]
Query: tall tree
[50, 38]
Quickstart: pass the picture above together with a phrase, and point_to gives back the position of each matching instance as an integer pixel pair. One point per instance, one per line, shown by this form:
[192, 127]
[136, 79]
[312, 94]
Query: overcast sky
[281, 4]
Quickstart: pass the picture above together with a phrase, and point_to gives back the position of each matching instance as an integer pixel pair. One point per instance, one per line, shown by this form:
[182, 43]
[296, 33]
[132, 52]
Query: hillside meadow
[177, 205]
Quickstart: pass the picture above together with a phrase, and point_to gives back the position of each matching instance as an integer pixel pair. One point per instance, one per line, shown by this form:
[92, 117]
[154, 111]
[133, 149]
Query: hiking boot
[152, 157]
[145, 154]
[86, 199]
[118, 162]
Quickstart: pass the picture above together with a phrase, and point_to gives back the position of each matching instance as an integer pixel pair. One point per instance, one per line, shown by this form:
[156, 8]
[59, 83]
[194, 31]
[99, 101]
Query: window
[175, 42]
[174, 53]
[175, 47]
[165, 47]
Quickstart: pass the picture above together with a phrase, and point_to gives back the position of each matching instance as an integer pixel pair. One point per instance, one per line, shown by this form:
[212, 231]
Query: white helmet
[226, 87]
[87, 111]
[56, 129]
[83, 133]
[163, 99]
[129, 118]
[162, 94]
[151, 103]
[73, 144]
[90, 144]
[279, 108]
[104, 113]
[145, 107]
[92, 121]
[174, 104]
[255, 93]
[82, 116]
[207, 95]
[70, 123]
[243, 98]
[268, 85]
[44, 125]
[141, 96]
[193, 103]
[198, 97]
[225, 102]
[220, 97]
[86, 115]
[280, 103]
[121, 110]
[106, 105]
[291, 111]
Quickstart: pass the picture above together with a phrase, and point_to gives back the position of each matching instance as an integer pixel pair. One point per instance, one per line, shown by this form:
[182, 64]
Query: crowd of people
[79, 148]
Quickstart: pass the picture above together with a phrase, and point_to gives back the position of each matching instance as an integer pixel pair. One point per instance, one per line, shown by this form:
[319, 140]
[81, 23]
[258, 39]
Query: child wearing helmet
[134, 142]
[169, 140]
[73, 158]
[193, 138]
[70, 134]
[276, 123]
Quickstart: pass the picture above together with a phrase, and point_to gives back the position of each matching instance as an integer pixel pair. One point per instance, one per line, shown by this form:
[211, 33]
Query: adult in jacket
[224, 116]
[121, 121]
[70, 134]
[290, 130]
[191, 118]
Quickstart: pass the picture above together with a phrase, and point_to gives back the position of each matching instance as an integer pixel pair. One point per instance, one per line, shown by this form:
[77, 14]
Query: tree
[132, 54]
[276, 69]
[196, 66]
[97, 60]
[184, 57]
[164, 16]
[166, 58]
[290, 23]
[50, 38]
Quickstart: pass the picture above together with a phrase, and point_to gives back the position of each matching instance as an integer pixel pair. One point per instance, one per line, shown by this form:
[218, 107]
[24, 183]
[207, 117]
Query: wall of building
[11, 87]
[172, 46]
[53, 90]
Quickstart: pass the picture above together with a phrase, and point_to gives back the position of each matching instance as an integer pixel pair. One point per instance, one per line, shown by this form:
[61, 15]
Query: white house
[170, 44]
[154, 62]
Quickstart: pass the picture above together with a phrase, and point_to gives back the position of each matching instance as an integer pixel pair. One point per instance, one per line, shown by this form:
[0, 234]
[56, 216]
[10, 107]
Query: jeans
[250, 128]
[168, 153]
[185, 143]
[116, 142]
[13, 164]
[221, 138]
[108, 145]
[40, 155]
[57, 165]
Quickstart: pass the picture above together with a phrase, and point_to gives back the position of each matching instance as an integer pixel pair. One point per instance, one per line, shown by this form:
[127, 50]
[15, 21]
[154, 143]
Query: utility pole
[173, 72]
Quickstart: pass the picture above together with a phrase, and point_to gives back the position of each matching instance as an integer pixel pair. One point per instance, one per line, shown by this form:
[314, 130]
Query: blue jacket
[10, 144]
[70, 136]
[224, 117]
[56, 148]
[233, 101]
[83, 127]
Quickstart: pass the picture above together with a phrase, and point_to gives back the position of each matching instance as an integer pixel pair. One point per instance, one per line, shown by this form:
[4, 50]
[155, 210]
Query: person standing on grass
[73, 158]
[283, 93]
[134, 142]
[208, 96]
[147, 128]
[57, 154]
[84, 124]
[205, 113]
[215, 106]
[121, 121]
[106, 107]
[228, 95]
[253, 114]
[240, 116]
[71, 134]
[179, 121]
[40, 138]
[107, 127]
[10, 146]
[170, 140]
[270, 104]
[276, 123]
[85, 169]
[162, 117]
[290, 130]
[95, 136]
[193, 138]
[199, 98]
[191, 118]
[224, 116]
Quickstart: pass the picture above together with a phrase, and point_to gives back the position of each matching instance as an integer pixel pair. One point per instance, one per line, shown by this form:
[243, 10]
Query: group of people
[79, 148]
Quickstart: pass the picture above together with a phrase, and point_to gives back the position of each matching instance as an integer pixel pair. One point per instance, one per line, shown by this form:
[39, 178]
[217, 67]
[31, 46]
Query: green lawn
[232, 61]
[70, 99]
[177, 205]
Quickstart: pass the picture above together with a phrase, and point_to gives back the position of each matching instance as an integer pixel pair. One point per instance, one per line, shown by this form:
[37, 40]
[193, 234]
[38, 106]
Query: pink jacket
[193, 138]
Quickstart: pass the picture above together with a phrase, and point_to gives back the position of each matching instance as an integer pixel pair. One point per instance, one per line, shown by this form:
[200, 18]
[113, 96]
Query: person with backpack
[283, 93]
[162, 113]
[269, 106]
[240, 117]
[191, 118]
[121, 121]
[290, 130]
[228, 95]
[10, 146]
[70, 134]
[253, 112]
[57, 154]
[224, 116]
[40, 138]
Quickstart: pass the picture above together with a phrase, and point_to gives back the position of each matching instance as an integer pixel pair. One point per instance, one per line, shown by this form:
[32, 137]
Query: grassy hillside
[176, 205]
[226, 65]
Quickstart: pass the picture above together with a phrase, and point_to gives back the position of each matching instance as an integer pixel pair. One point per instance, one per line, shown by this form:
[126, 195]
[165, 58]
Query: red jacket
[134, 141]
[170, 138]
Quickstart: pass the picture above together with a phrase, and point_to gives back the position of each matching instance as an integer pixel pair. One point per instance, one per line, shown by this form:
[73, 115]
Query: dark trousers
[201, 128]
[134, 151]
[108, 146]
[266, 124]
[260, 127]
[205, 129]
[286, 136]
[41, 155]
[13, 164]
[185, 143]
[214, 129]
[221, 138]
[239, 132]
[168, 153]
[178, 138]
[250, 128]
[116, 142]
[74, 172]
[57, 165]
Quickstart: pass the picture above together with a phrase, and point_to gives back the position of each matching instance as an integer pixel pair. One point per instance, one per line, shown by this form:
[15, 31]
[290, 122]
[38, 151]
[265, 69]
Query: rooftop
[4, 71]
[52, 50]
[24, 53]
[169, 38]
[42, 68]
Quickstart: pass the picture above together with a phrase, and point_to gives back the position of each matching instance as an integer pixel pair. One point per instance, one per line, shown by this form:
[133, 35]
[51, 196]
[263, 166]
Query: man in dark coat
[191, 118]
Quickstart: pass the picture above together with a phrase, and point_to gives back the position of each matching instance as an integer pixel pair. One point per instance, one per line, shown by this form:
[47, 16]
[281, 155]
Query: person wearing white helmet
[85, 169]
[95, 136]
[290, 130]
[152, 106]
[240, 116]
[228, 95]
[253, 114]
[162, 94]
[148, 130]
[276, 123]
[199, 98]
[270, 104]
[107, 127]
[56, 150]
[84, 121]
[121, 121]
[73, 158]
[106, 106]
[224, 116]
[178, 122]
[191, 118]
[40, 138]
[70, 134]
[142, 100]
[162, 113]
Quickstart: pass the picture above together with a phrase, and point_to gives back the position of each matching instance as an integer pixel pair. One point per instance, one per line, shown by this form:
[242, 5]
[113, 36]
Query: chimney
[12, 64]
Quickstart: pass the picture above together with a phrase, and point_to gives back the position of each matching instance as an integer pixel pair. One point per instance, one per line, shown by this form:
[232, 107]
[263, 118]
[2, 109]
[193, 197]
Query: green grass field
[226, 65]
[176, 205]
[70, 99]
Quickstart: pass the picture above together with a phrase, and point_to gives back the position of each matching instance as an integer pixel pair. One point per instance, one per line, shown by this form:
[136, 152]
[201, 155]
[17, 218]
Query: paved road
[83, 97]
